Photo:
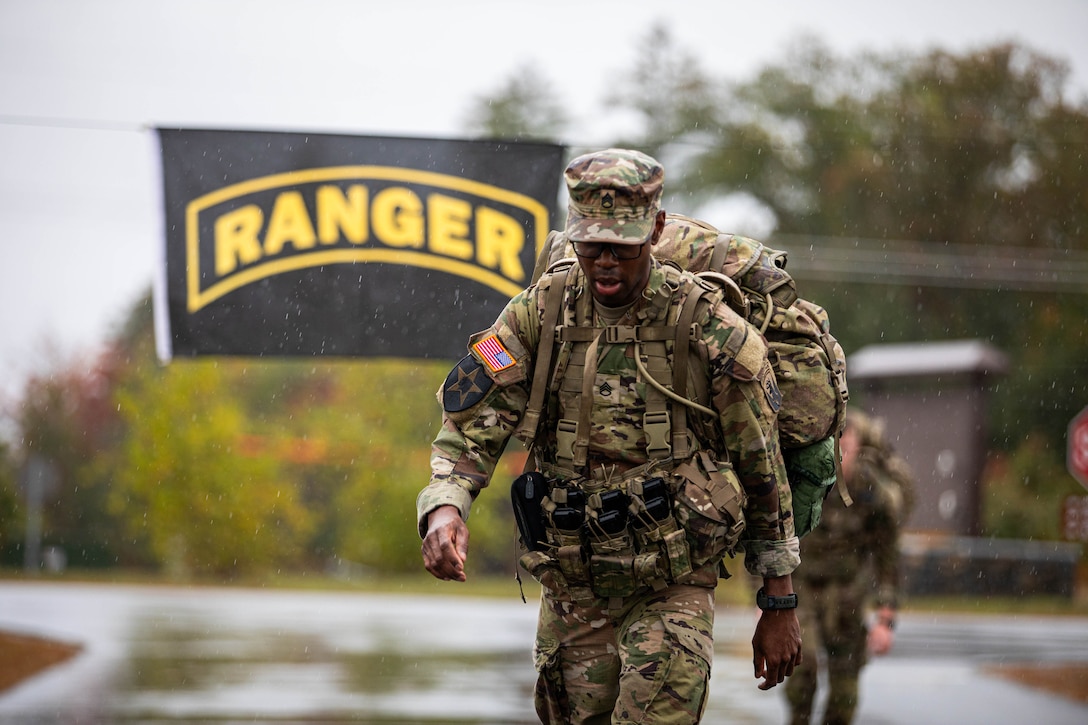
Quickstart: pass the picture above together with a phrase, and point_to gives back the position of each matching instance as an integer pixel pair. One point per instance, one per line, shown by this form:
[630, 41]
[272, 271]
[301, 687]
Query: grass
[421, 583]
[736, 591]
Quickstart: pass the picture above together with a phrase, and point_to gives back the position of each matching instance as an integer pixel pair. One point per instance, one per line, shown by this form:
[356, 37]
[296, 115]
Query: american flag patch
[495, 356]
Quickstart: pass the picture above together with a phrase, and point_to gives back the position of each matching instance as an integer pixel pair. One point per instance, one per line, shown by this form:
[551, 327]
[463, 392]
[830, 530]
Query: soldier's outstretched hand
[776, 646]
[445, 547]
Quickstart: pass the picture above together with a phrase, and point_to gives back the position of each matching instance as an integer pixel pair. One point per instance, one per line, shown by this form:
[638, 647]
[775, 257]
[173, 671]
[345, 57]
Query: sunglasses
[592, 250]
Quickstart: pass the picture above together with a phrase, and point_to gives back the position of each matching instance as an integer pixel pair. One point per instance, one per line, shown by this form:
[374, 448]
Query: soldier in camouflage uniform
[850, 561]
[626, 615]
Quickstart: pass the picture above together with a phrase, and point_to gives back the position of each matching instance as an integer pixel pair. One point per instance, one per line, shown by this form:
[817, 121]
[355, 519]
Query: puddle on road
[232, 656]
[193, 668]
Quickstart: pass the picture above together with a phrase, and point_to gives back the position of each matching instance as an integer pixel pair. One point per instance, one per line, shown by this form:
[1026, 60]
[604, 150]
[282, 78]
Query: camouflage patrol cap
[869, 429]
[614, 196]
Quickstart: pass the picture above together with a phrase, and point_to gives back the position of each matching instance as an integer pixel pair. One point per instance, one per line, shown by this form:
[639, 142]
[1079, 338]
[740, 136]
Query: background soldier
[636, 507]
[849, 562]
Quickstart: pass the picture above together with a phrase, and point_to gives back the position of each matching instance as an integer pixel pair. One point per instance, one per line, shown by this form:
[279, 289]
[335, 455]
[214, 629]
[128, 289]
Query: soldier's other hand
[776, 646]
[880, 639]
[881, 635]
[445, 547]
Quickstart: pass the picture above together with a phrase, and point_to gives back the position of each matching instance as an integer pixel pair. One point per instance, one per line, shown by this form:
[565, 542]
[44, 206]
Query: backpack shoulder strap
[684, 328]
[721, 251]
[553, 305]
[555, 249]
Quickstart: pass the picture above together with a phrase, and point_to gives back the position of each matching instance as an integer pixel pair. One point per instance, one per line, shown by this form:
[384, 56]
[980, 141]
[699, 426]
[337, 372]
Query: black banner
[285, 244]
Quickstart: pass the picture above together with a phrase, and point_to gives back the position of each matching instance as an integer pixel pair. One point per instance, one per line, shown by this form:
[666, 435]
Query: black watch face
[768, 602]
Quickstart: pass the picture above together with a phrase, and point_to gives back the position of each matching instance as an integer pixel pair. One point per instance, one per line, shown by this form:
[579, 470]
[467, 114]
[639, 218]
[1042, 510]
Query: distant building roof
[917, 359]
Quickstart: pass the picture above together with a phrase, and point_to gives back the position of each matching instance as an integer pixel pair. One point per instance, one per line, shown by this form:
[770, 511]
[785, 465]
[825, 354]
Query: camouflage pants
[831, 616]
[647, 661]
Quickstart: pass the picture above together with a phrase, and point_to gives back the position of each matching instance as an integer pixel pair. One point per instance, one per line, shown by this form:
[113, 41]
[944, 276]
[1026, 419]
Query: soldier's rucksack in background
[889, 470]
[808, 361]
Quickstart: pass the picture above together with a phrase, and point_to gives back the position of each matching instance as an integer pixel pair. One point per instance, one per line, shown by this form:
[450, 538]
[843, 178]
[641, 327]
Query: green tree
[189, 497]
[1023, 491]
[980, 148]
[523, 107]
[386, 423]
[65, 418]
[180, 487]
[670, 94]
[11, 513]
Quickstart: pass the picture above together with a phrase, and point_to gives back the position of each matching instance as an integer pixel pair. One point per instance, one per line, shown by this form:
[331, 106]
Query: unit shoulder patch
[465, 386]
[770, 388]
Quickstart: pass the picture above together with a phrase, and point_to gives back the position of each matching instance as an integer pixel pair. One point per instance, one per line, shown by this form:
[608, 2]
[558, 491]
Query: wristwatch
[765, 602]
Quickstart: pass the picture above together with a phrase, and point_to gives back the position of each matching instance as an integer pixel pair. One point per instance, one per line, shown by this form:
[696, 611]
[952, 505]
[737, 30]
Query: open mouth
[607, 285]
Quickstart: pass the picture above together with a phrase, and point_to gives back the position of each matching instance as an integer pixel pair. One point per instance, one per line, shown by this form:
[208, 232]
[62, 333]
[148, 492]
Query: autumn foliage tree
[65, 419]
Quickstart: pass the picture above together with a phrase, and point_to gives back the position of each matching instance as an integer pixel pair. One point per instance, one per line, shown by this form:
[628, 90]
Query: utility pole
[38, 475]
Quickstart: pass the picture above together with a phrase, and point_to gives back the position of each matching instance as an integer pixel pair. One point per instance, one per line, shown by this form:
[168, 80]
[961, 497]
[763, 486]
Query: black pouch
[612, 549]
[658, 532]
[526, 494]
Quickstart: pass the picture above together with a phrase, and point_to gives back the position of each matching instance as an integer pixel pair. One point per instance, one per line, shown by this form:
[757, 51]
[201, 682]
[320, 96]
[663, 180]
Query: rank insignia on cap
[465, 386]
[494, 353]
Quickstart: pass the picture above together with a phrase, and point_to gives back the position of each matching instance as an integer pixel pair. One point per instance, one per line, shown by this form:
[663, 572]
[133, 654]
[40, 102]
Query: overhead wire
[936, 264]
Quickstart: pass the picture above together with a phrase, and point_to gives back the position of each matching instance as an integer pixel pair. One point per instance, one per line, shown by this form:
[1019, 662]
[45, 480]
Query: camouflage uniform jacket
[742, 388]
[859, 544]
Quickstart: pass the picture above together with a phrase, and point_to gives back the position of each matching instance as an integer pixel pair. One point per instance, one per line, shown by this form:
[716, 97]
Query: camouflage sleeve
[483, 399]
[746, 396]
[881, 535]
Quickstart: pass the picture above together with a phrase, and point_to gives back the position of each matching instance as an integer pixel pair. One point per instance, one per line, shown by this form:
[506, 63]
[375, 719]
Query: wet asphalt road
[166, 655]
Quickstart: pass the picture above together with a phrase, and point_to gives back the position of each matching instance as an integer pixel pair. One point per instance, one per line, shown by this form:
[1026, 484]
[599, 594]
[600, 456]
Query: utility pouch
[613, 575]
[709, 508]
[607, 522]
[657, 531]
[544, 569]
[611, 561]
[566, 513]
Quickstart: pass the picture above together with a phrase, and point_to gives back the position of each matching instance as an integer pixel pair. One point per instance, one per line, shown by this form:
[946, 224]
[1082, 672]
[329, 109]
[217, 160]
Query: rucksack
[809, 363]
[891, 475]
[807, 359]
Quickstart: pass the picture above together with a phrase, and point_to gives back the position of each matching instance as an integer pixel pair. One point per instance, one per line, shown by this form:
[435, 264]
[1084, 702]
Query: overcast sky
[81, 81]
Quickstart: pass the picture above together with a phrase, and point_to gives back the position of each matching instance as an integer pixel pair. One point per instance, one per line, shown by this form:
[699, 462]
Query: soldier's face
[619, 282]
[849, 444]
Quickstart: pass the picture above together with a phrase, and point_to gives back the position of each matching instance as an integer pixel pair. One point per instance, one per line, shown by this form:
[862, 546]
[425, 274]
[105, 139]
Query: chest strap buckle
[658, 429]
[566, 433]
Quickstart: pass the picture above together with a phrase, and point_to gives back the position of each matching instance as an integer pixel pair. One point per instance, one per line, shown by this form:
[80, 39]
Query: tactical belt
[647, 527]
